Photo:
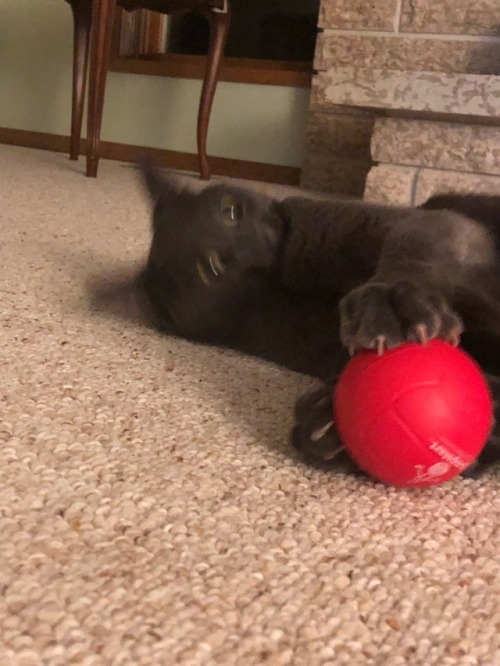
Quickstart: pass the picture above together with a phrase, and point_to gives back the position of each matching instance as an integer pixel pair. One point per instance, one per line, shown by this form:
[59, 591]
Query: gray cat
[305, 283]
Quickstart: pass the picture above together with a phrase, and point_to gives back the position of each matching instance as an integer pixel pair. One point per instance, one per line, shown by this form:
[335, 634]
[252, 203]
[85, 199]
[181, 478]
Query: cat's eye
[231, 210]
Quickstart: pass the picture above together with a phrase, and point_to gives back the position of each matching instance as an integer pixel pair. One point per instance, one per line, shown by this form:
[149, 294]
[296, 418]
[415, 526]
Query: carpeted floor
[151, 512]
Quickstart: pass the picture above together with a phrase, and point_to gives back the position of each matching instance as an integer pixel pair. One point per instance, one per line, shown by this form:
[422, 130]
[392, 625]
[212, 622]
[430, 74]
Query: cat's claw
[421, 333]
[333, 454]
[321, 432]
[454, 336]
[380, 344]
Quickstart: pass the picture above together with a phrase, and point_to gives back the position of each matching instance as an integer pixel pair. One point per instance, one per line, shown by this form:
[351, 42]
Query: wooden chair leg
[102, 29]
[219, 27]
[82, 20]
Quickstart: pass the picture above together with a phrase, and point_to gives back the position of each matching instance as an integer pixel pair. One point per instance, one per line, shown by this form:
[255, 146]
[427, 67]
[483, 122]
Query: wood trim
[169, 159]
[235, 70]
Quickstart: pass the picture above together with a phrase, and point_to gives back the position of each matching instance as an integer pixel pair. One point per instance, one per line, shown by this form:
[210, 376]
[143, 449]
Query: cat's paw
[381, 316]
[314, 433]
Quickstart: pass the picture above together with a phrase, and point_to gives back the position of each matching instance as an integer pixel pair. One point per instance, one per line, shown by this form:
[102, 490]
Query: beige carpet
[151, 512]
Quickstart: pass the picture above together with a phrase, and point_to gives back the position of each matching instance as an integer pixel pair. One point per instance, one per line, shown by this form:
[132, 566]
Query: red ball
[416, 415]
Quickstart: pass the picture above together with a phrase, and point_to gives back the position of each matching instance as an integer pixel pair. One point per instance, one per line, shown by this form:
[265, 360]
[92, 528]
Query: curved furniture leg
[102, 28]
[82, 20]
[219, 28]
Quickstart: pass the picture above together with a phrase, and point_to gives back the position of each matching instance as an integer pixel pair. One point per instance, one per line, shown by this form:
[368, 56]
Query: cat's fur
[302, 281]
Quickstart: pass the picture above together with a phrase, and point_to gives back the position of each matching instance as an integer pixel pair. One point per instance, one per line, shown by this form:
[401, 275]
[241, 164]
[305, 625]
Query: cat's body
[302, 281]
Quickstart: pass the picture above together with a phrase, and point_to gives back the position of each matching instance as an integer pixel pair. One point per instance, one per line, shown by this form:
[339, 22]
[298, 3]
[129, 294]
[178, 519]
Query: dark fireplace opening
[260, 29]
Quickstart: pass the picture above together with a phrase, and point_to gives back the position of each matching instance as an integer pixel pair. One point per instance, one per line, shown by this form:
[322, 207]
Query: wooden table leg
[102, 28]
[82, 20]
[219, 28]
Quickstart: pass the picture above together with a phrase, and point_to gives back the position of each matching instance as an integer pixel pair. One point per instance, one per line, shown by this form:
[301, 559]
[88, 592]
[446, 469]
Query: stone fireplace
[405, 99]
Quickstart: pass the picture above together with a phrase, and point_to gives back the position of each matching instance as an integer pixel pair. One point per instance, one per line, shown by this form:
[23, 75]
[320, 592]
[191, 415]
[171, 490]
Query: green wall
[249, 122]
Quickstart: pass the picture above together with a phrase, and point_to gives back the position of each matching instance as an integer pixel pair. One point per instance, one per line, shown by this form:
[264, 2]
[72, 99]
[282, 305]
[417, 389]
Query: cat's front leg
[427, 258]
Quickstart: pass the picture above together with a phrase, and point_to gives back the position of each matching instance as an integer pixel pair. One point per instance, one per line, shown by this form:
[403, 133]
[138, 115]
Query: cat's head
[204, 244]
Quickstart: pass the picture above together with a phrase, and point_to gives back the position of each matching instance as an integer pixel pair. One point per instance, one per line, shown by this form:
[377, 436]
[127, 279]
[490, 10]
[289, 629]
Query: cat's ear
[156, 183]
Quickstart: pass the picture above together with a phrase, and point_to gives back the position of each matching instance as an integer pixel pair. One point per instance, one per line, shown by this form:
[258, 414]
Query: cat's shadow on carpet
[255, 396]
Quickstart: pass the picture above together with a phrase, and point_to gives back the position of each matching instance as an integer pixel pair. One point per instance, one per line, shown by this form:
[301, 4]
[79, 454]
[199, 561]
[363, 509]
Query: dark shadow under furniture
[93, 27]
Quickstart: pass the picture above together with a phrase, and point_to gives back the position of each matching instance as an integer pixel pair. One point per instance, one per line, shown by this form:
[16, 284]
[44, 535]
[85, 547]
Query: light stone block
[358, 14]
[440, 145]
[404, 53]
[433, 181]
[463, 94]
[390, 184]
[465, 17]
